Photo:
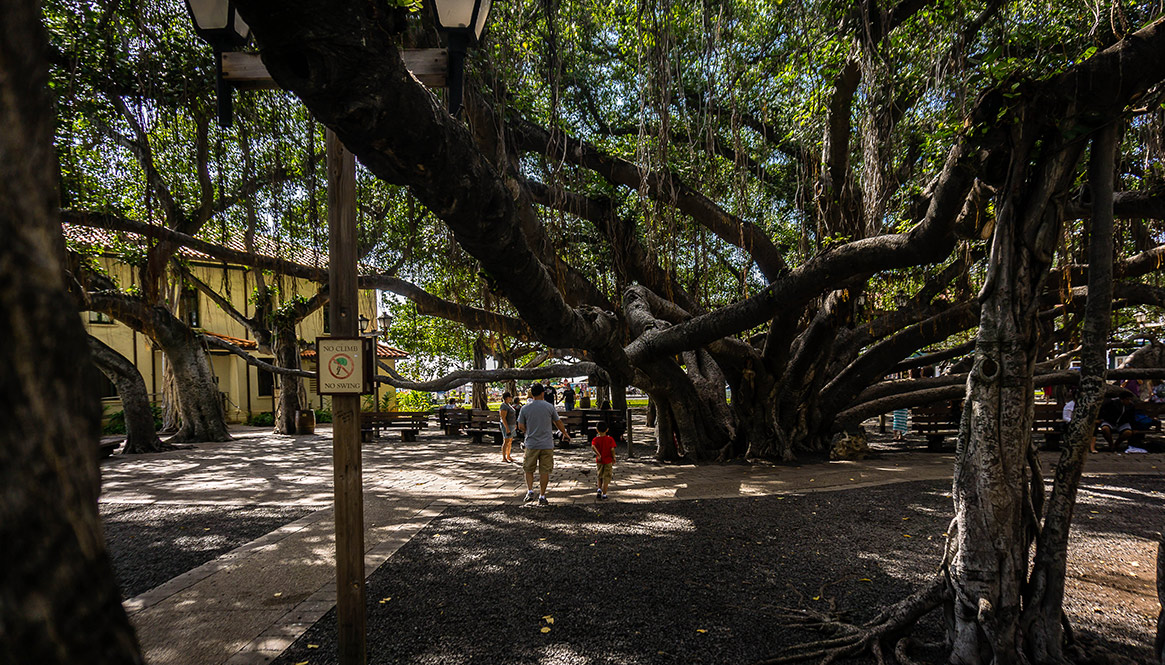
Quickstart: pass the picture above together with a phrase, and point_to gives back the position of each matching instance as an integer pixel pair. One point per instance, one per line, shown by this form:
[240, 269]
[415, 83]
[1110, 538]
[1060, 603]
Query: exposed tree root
[884, 637]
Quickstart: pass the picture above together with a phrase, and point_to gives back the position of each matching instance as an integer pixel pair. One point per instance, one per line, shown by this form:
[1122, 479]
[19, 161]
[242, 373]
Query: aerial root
[884, 638]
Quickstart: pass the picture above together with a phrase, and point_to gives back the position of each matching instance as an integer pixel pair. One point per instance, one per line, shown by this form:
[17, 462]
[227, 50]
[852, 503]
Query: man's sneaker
[529, 496]
[603, 496]
[542, 501]
[598, 494]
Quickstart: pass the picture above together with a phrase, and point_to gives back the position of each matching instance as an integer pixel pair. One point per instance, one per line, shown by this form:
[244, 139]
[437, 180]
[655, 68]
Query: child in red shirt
[604, 447]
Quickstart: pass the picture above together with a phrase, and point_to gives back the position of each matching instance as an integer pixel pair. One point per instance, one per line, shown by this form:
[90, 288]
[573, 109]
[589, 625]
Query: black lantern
[219, 24]
[385, 320]
[461, 21]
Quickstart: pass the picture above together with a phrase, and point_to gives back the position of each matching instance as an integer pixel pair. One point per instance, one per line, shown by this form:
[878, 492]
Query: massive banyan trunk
[285, 346]
[141, 435]
[198, 398]
[1044, 594]
[998, 488]
[59, 602]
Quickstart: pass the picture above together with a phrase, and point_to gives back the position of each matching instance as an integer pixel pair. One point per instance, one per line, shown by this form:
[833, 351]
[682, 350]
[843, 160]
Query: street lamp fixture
[461, 22]
[385, 320]
[218, 23]
[1142, 317]
[363, 321]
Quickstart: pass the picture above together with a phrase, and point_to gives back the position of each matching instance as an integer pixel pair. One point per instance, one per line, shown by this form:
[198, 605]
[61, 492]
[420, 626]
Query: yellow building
[245, 390]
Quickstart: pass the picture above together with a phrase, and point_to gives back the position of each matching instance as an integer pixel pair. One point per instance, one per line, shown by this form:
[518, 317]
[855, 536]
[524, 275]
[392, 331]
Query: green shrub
[323, 415]
[116, 421]
[264, 419]
[413, 400]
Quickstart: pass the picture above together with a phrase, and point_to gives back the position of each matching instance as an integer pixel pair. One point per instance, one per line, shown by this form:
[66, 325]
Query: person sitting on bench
[1116, 415]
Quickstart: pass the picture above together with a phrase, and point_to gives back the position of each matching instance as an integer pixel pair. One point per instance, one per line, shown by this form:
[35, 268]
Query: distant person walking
[538, 420]
[900, 425]
[508, 421]
[568, 397]
[604, 447]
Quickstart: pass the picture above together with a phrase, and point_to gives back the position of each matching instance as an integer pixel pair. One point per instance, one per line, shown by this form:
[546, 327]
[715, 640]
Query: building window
[188, 308]
[327, 318]
[266, 380]
[99, 317]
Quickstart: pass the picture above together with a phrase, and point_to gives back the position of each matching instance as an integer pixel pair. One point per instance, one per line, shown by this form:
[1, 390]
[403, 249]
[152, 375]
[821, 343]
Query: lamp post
[219, 24]
[461, 22]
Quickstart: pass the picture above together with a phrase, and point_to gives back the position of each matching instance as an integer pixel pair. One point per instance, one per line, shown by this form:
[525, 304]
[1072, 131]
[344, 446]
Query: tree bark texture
[286, 349]
[995, 488]
[141, 434]
[59, 602]
[1043, 621]
[199, 404]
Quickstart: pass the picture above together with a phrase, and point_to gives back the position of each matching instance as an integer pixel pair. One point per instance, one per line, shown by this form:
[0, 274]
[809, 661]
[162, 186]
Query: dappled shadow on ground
[150, 544]
[691, 582]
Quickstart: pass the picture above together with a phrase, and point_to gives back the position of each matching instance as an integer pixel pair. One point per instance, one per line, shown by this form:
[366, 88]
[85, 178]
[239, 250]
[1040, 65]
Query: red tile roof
[241, 343]
[382, 351]
[264, 245]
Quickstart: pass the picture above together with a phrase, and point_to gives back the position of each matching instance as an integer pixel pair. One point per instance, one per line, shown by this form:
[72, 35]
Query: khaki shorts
[543, 460]
[606, 472]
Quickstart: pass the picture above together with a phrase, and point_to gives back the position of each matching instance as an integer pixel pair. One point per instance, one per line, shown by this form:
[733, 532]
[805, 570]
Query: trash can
[305, 421]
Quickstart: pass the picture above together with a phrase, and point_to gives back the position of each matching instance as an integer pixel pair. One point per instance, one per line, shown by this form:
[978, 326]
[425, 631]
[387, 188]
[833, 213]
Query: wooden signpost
[347, 467]
[343, 372]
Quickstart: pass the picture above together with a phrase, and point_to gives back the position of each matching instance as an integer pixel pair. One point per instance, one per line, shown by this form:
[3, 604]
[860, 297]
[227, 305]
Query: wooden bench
[409, 423]
[452, 421]
[1047, 421]
[482, 423]
[582, 422]
[936, 422]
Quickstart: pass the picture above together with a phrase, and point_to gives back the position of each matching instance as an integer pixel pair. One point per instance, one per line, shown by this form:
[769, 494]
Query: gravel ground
[710, 581]
[152, 543]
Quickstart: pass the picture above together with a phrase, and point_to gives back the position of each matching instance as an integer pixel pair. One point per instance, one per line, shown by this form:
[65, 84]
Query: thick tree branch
[464, 376]
[218, 342]
[662, 186]
[472, 317]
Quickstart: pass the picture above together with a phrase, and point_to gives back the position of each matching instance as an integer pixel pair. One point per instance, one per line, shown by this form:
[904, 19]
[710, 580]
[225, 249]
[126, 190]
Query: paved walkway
[247, 606]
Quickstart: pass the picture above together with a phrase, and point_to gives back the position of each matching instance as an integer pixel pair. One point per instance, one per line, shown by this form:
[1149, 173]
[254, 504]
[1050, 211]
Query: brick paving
[248, 605]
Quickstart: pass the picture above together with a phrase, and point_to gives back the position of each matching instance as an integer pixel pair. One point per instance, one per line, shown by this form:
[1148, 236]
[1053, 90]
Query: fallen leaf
[816, 597]
[278, 594]
[701, 630]
[549, 618]
[906, 535]
[546, 629]
[865, 579]
[905, 518]
[304, 662]
[313, 646]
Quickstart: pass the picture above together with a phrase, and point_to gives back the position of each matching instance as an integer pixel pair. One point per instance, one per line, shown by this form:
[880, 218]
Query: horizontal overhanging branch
[462, 377]
[252, 360]
[957, 388]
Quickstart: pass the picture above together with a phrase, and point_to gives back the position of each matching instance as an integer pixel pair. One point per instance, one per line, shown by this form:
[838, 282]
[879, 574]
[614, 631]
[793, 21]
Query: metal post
[347, 469]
